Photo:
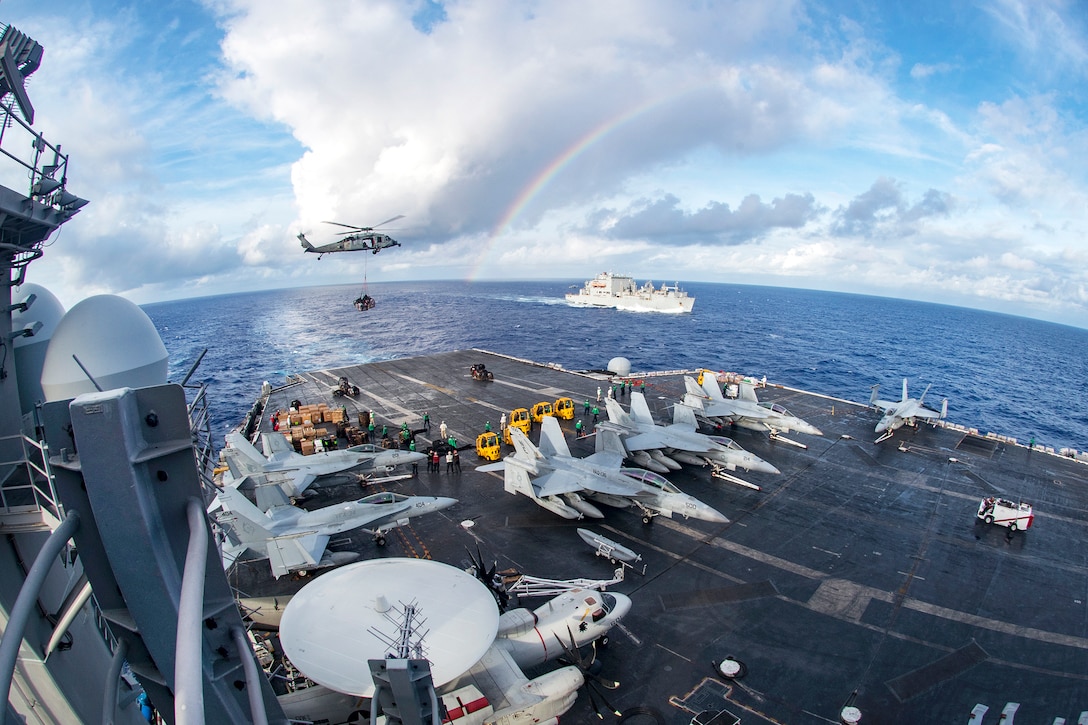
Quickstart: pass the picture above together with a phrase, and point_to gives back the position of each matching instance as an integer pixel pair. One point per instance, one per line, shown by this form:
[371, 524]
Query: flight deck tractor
[487, 446]
[564, 408]
[519, 418]
[1017, 516]
[542, 409]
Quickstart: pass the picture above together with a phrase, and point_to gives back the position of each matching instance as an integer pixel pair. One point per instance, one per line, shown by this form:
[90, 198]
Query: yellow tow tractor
[540, 410]
[487, 446]
[564, 408]
[519, 418]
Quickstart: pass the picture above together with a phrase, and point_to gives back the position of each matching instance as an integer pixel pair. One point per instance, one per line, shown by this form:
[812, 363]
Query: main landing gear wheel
[380, 541]
[602, 641]
[645, 520]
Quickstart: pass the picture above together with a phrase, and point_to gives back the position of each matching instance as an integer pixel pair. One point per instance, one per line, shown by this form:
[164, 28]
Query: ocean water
[1010, 375]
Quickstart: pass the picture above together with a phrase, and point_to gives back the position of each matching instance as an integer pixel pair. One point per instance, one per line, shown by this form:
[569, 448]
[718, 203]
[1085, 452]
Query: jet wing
[300, 481]
[287, 553]
[887, 405]
[644, 442]
[497, 674]
[557, 482]
[682, 438]
[920, 412]
[748, 409]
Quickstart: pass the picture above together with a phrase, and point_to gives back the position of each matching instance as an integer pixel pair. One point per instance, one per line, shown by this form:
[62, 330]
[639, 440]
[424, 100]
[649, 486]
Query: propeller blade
[593, 702]
[349, 226]
[604, 699]
[398, 216]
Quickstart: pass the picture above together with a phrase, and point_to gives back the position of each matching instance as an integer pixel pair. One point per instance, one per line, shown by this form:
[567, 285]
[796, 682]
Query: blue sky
[921, 150]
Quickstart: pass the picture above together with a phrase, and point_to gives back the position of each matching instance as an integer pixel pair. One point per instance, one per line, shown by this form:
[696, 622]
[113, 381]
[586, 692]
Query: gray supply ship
[857, 583]
[621, 292]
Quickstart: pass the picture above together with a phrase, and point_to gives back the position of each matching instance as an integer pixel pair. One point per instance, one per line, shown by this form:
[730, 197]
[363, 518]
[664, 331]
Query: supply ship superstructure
[622, 292]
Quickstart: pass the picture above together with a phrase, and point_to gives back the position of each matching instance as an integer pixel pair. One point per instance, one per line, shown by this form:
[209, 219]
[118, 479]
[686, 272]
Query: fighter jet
[293, 539]
[680, 441]
[905, 411]
[295, 472]
[563, 483]
[745, 411]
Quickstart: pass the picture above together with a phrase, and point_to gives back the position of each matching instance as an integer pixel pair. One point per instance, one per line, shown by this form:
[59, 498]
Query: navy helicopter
[358, 239]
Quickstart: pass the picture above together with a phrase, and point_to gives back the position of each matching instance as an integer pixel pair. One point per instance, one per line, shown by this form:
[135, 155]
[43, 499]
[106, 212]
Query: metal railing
[28, 499]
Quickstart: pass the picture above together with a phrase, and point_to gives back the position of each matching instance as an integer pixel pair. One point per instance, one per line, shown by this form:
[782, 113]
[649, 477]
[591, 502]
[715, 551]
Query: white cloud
[777, 140]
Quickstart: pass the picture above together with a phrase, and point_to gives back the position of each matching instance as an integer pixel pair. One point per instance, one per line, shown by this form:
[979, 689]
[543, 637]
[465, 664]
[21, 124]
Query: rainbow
[560, 162]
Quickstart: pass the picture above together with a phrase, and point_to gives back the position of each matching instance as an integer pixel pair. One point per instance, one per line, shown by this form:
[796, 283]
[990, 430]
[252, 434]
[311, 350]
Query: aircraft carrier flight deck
[860, 576]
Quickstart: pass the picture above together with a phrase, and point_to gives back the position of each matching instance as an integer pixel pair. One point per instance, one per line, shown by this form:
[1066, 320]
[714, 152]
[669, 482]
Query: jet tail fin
[873, 397]
[685, 415]
[240, 443]
[270, 496]
[640, 410]
[748, 392]
[920, 400]
[523, 447]
[607, 440]
[241, 465]
[904, 391]
[695, 402]
[276, 446]
[692, 387]
[552, 442]
[516, 480]
[944, 408]
[616, 413]
[711, 389]
[256, 534]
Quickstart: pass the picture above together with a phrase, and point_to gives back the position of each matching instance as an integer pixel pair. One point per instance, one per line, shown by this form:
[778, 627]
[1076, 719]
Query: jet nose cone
[763, 467]
[416, 457]
[442, 502]
[715, 516]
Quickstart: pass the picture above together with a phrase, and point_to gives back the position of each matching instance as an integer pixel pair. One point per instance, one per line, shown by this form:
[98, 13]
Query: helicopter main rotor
[363, 230]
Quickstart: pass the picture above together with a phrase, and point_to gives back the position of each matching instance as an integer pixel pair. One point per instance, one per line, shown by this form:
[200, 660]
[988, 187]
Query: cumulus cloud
[706, 140]
[664, 220]
[884, 209]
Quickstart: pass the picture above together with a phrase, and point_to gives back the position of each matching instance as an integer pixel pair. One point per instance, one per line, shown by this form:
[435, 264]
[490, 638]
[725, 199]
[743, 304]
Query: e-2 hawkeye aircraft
[566, 485]
[293, 539]
[656, 446]
[477, 653]
[356, 240]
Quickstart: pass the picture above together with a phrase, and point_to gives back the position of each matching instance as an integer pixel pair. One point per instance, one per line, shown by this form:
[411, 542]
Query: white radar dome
[620, 366]
[113, 339]
[29, 351]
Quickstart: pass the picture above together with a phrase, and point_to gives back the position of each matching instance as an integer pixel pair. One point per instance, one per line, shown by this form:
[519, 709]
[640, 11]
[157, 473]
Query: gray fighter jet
[905, 411]
[295, 472]
[293, 539]
[565, 485]
[745, 411]
[680, 441]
